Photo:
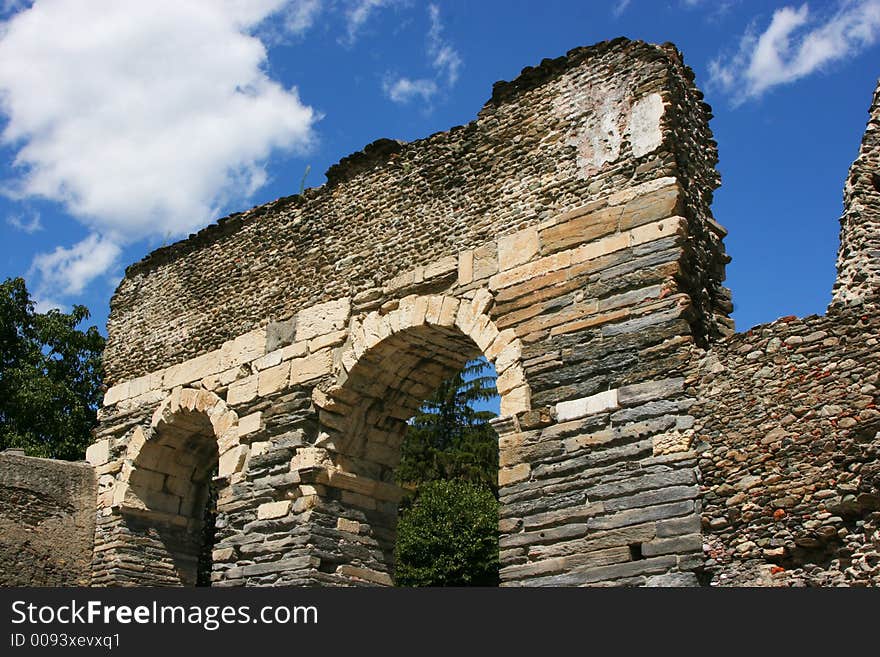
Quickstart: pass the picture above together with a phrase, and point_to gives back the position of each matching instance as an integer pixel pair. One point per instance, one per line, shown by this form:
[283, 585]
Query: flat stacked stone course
[565, 235]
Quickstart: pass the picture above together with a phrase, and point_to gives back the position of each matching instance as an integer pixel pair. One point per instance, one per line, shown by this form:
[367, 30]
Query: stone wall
[47, 521]
[858, 259]
[565, 235]
[788, 431]
[573, 129]
[787, 424]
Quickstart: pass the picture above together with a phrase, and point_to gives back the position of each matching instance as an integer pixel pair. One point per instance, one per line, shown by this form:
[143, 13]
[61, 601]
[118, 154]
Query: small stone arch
[168, 469]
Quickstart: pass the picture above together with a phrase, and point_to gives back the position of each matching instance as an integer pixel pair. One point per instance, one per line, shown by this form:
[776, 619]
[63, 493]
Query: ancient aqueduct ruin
[566, 235]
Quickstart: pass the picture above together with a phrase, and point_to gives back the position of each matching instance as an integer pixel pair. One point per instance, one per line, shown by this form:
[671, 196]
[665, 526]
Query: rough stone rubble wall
[788, 432]
[858, 260]
[595, 172]
[788, 428]
[47, 522]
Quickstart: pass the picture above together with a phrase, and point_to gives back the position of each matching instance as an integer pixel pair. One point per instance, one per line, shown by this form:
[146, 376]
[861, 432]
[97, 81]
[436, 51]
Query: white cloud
[357, 15]
[300, 15]
[444, 58]
[67, 271]
[45, 305]
[143, 118]
[403, 90]
[795, 45]
[621, 6]
[29, 226]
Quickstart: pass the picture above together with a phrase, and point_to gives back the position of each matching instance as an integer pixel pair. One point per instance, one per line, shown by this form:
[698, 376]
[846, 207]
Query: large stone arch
[158, 496]
[389, 365]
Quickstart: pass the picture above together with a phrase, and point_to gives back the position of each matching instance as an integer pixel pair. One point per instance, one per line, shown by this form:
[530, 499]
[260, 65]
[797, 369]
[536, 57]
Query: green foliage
[449, 537]
[447, 534]
[50, 376]
[447, 438]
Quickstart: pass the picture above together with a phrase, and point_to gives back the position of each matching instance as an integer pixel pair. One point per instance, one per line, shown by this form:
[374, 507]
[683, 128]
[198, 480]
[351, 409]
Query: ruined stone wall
[788, 433]
[565, 235]
[858, 259]
[788, 428]
[583, 126]
[47, 521]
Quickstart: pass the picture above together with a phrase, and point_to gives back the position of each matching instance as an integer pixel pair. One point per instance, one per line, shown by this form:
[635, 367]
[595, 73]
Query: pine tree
[448, 438]
[448, 527]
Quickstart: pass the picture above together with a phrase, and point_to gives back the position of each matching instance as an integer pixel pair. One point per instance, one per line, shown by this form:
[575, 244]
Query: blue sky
[129, 124]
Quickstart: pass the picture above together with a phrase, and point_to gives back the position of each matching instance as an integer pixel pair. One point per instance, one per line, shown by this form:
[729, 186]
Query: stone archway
[157, 500]
[390, 364]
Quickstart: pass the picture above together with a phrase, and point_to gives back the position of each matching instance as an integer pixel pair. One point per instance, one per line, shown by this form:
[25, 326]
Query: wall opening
[383, 399]
[448, 519]
[172, 502]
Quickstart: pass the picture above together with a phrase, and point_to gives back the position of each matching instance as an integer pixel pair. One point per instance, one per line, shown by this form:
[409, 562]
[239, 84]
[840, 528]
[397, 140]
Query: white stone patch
[322, 319]
[644, 130]
[578, 408]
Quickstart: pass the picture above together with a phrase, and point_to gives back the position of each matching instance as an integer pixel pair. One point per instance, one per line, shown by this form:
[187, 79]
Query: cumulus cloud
[796, 44]
[443, 59]
[67, 271]
[142, 118]
[26, 225]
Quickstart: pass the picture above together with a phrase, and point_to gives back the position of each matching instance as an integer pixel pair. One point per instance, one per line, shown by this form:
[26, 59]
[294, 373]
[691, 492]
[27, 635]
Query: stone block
[578, 228]
[250, 423]
[232, 461]
[465, 267]
[274, 379]
[518, 248]
[311, 367]
[116, 394]
[270, 510]
[243, 349]
[650, 207]
[485, 261]
[322, 318]
[578, 408]
[98, 453]
[531, 270]
[507, 476]
[242, 391]
[443, 267]
[516, 401]
[328, 340]
[640, 393]
[271, 359]
[676, 545]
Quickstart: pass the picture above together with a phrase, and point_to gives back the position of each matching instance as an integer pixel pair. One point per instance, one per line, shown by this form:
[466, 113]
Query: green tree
[449, 537]
[50, 376]
[447, 534]
[448, 438]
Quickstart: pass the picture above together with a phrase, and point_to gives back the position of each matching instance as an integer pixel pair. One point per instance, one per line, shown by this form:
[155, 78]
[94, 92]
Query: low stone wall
[47, 521]
[788, 434]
